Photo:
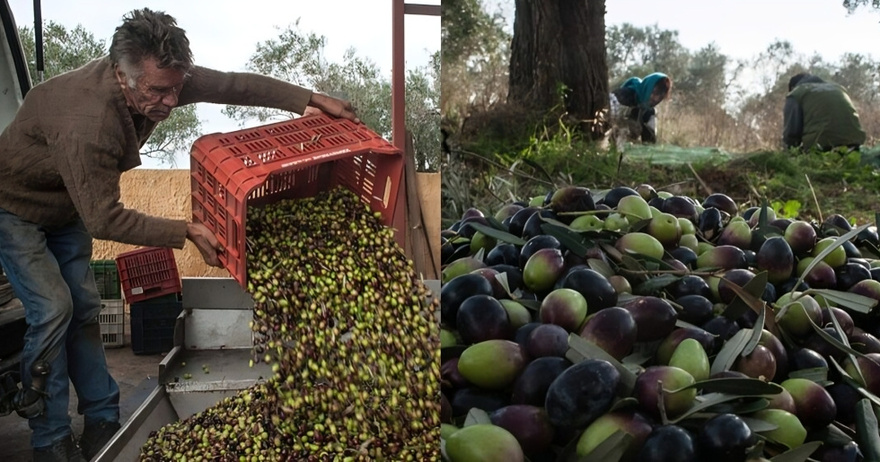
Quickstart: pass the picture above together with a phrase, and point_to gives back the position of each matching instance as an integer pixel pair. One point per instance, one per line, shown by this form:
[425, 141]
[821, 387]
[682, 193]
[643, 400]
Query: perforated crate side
[106, 278]
[152, 325]
[291, 159]
[113, 335]
[112, 312]
[148, 273]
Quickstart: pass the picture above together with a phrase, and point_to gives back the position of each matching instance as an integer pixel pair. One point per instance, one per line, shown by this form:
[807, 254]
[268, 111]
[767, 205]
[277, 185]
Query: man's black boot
[63, 450]
[95, 436]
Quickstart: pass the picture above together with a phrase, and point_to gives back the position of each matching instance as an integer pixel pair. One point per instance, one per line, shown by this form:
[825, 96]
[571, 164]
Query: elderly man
[60, 165]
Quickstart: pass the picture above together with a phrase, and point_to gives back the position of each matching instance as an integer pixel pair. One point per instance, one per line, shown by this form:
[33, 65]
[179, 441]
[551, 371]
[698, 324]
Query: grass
[807, 186]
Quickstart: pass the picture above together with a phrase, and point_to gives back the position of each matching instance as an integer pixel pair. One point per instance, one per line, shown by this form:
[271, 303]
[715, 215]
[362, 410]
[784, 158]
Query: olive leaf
[834, 322]
[757, 330]
[566, 236]
[493, 222]
[679, 322]
[624, 403]
[501, 277]
[612, 448]
[611, 251]
[480, 255]
[834, 434]
[762, 215]
[740, 407]
[855, 302]
[498, 234]
[815, 374]
[837, 243]
[580, 349]
[798, 454]
[748, 296]
[656, 283]
[855, 383]
[730, 351]
[707, 401]
[533, 305]
[638, 357]
[866, 430]
[600, 267]
[555, 222]
[833, 340]
[735, 386]
[758, 425]
[476, 416]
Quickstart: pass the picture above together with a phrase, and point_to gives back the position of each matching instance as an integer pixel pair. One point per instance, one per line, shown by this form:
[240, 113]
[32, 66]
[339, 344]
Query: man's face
[156, 91]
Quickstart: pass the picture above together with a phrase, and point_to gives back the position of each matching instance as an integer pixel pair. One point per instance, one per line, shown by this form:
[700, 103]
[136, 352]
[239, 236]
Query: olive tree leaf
[798, 454]
[740, 407]
[707, 401]
[758, 425]
[833, 340]
[533, 305]
[735, 386]
[852, 381]
[612, 448]
[748, 296]
[580, 349]
[476, 416]
[730, 351]
[837, 243]
[815, 374]
[497, 234]
[566, 236]
[652, 285]
[855, 302]
[757, 330]
[601, 267]
[866, 430]
[493, 222]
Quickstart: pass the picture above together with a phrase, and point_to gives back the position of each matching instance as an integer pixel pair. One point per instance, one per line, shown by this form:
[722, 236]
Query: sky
[744, 28]
[223, 34]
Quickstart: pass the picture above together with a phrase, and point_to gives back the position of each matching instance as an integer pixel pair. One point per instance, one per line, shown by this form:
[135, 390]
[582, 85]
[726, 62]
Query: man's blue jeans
[50, 273]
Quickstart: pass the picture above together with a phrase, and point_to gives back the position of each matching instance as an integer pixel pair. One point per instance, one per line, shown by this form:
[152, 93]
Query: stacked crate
[151, 286]
[112, 317]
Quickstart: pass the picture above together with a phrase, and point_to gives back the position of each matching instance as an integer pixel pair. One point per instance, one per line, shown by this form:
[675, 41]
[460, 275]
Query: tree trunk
[560, 42]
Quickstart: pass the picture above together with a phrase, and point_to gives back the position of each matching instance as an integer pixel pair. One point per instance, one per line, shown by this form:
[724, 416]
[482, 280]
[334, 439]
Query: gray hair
[148, 34]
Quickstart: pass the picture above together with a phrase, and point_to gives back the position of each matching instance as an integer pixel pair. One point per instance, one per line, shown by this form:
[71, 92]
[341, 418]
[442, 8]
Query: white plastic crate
[112, 320]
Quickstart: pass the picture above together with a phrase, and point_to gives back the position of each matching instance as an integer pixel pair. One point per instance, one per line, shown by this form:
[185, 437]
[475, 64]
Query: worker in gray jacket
[61, 159]
[819, 115]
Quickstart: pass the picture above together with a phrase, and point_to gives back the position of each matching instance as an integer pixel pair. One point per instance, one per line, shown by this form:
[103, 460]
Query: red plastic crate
[148, 273]
[291, 159]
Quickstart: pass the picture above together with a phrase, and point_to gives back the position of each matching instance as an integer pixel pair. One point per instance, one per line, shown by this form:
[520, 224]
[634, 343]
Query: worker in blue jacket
[632, 107]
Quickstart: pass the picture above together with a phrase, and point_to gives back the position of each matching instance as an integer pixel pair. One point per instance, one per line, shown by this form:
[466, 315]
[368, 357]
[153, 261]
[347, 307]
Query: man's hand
[206, 242]
[333, 106]
[312, 110]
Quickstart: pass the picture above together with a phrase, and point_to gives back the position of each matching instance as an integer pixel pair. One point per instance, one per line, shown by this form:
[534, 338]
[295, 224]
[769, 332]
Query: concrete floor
[136, 376]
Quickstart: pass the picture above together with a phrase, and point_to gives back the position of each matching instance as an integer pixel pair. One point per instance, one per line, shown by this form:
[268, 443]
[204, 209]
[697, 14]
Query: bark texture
[560, 42]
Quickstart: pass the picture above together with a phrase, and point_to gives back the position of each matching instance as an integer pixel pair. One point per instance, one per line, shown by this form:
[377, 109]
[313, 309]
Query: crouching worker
[632, 107]
[819, 115]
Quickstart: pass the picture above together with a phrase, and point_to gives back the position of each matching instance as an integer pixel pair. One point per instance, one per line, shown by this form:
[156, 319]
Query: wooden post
[417, 246]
